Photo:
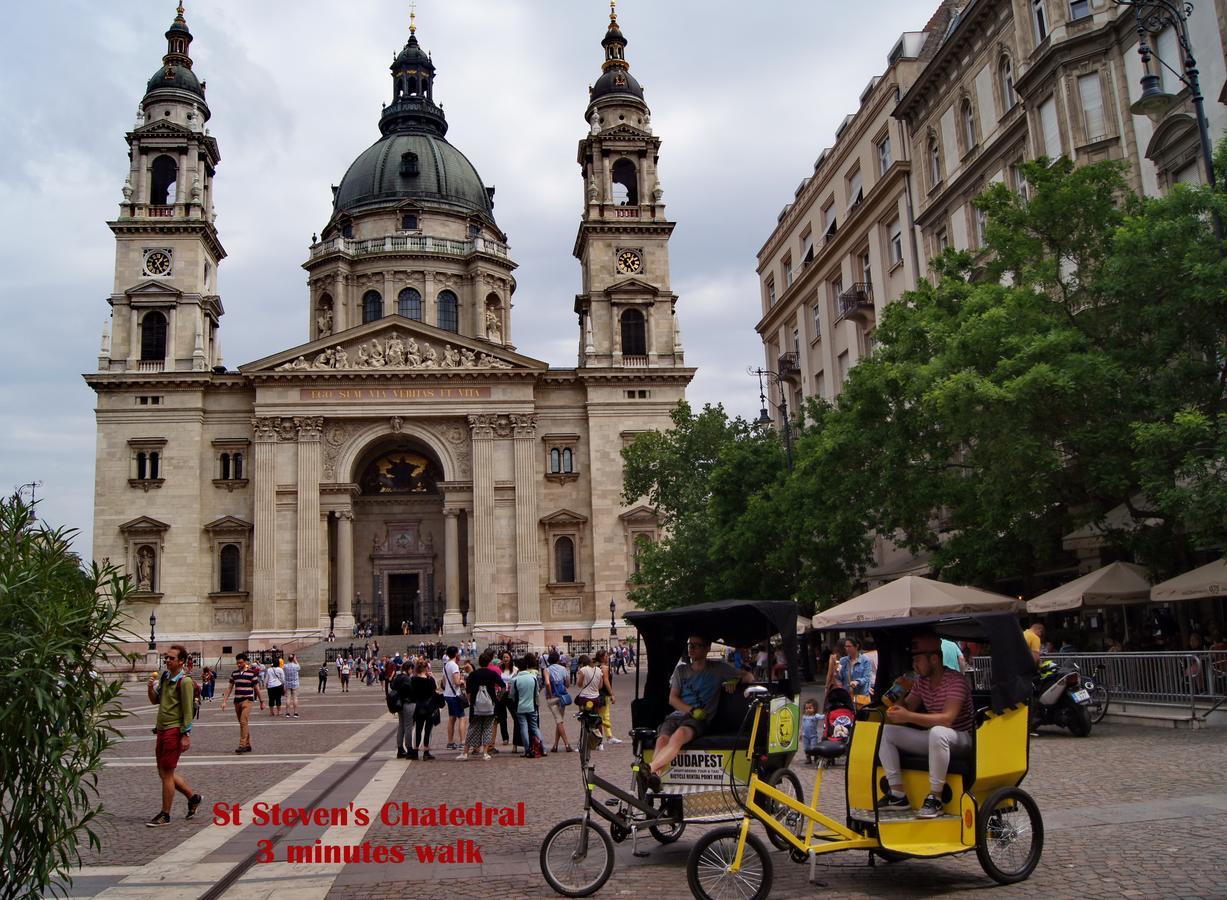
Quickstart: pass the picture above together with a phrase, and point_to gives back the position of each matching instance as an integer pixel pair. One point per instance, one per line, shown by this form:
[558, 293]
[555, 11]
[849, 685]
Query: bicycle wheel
[1009, 835]
[1098, 705]
[707, 868]
[786, 782]
[577, 858]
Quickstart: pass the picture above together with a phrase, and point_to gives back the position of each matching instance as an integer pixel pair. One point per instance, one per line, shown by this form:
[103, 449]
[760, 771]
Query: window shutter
[1052, 132]
[1092, 105]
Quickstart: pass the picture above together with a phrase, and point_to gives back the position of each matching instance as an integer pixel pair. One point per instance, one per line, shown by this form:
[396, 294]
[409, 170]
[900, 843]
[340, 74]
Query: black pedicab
[708, 780]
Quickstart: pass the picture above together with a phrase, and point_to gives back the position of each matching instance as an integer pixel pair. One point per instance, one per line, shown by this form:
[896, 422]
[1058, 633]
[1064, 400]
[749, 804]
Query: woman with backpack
[482, 685]
[557, 698]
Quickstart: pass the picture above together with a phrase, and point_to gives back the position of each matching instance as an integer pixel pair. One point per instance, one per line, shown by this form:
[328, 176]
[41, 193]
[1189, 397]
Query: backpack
[196, 692]
[393, 701]
[482, 704]
[536, 751]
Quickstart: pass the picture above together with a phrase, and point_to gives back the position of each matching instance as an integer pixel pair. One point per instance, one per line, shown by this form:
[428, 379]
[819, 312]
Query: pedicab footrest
[643, 735]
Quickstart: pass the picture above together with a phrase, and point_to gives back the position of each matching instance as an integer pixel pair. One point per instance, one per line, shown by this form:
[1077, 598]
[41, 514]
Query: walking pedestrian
[557, 698]
[292, 680]
[455, 697]
[245, 686]
[275, 682]
[323, 686]
[174, 694]
[589, 681]
[208, 683]
[482, 686]
[344, 669]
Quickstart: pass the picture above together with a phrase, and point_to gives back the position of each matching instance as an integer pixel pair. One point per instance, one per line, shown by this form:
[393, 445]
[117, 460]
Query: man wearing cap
[939, 704]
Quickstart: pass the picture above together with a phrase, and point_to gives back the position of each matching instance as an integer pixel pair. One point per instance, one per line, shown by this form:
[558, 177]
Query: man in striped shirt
[245, 686]
[939, 703]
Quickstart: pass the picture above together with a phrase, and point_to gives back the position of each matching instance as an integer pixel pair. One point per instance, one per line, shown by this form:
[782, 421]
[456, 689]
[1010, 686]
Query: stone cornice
[171, 381]
[626, 226]
[205, 230]
[680, 376]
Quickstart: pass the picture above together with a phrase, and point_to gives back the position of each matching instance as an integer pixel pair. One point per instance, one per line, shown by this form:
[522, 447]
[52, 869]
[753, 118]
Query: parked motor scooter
[1060, 699]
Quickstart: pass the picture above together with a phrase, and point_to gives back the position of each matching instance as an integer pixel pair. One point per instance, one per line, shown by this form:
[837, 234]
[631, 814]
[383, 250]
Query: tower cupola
[413, 88]
[616, 78]
[175, 75]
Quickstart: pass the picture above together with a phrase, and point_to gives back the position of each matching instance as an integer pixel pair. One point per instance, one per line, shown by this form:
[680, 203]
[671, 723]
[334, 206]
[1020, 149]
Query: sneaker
[463, 756]
[296, 715]
[932, 808]
[494, 750]
[428, 755]
[159, 820]
[287, 715]
[894, 801]
[486, 756]
[453, 746]
[601, 746]
[193, 804]
[614, 740]
[247, 749]
[654, 784]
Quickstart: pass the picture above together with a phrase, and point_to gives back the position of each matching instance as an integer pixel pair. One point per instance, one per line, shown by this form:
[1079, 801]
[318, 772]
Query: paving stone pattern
[1128, 811]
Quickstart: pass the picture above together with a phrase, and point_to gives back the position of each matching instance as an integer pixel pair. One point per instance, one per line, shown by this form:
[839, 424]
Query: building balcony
[634, 361]
[409, 243]
[788, 367]
[151, 365]
[857, 302]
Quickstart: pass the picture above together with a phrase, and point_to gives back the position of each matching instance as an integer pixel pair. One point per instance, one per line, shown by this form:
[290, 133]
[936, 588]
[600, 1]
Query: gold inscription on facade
[373, 394]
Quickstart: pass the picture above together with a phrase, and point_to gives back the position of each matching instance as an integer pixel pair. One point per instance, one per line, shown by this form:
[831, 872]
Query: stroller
[838, 723]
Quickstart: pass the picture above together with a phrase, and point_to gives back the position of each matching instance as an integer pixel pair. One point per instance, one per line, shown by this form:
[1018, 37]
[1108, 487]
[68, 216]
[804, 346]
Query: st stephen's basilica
[402, 463]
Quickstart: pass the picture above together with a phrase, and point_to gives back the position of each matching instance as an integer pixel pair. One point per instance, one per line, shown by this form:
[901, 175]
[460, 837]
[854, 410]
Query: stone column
[483, 606]
[345, 571]
[452, 618]
[308, 571]
[264, 539]
[325, 574]
[528, 572]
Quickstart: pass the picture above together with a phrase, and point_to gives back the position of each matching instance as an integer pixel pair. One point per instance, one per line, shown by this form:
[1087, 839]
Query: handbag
[560, 693]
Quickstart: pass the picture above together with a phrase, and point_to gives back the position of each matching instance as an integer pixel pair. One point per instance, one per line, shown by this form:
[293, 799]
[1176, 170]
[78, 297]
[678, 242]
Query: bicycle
[1100, 694]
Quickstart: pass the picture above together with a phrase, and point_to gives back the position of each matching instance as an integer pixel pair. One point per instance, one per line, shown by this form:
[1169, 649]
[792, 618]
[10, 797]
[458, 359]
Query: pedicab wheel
[707, 869]
[786, 782]
[1009, 835]
[577, 858]
[667, 834]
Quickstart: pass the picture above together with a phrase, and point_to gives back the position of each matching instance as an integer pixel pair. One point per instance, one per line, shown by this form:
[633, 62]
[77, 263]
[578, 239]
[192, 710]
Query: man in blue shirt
[694, 694]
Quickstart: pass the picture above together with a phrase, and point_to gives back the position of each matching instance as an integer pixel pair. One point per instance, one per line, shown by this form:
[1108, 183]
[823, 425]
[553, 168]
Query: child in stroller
[837, 726]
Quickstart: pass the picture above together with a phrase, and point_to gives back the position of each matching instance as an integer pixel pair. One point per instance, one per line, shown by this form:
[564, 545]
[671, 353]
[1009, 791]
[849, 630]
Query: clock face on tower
[157, 262]
[629, 262]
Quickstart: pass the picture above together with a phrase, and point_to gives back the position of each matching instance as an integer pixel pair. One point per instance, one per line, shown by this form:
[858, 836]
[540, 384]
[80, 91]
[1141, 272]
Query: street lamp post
[764, 417]
[1153, 17]
[153, 641]
[613, 626]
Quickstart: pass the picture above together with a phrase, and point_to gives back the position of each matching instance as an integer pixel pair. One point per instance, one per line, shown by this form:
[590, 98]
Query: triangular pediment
[623, 130]
[640, 515]
[228, 523]
[152, 288]
[564, 517]
[143, 523]
[394, 344]
[633, 286]
[160, 127]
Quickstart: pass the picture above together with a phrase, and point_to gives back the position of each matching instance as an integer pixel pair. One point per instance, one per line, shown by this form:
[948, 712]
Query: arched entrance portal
[398, 536]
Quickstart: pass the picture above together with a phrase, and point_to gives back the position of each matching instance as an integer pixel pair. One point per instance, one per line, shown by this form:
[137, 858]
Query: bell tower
[626, 309]
[164, 304]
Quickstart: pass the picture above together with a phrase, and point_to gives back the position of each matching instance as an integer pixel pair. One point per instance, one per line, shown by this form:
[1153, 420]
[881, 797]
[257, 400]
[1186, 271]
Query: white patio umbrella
[914, 596]
[1115, 584]
[1209, 580]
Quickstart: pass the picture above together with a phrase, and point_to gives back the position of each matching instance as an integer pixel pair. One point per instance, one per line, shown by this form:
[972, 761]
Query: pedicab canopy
[1115, 584]
[913, 595]
[999, 634]
[738, 623]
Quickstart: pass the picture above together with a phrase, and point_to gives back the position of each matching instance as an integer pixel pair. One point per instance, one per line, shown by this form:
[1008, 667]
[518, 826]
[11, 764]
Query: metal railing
[1193, 679]
[856, 299]
[415, 243]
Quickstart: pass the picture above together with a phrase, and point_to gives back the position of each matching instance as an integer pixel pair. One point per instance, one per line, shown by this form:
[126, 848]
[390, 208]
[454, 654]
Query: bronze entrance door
[403, 589]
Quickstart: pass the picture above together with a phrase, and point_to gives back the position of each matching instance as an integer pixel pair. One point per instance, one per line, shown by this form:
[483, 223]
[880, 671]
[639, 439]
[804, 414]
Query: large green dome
[435, 173]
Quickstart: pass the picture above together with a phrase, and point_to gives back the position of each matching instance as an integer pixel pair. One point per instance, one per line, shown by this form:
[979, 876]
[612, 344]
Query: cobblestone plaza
[1128, 812]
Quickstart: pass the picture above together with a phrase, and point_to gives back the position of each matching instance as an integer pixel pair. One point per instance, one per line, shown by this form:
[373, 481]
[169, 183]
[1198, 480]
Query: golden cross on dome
[613, 12]
[179, 9]
[413, 13]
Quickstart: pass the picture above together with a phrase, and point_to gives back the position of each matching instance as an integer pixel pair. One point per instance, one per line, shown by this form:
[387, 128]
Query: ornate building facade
[405, 463]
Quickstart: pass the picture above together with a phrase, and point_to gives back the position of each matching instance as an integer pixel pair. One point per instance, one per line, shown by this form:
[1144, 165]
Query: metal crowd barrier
[1193, 678]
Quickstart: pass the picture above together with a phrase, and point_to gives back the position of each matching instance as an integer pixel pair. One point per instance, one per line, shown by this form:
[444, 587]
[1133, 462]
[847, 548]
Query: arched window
[162, 184]
[409, 164]
[409, 304]
[567, 465]
[372, 307]
[448, 316]
[634, 334]
[236, 466]
[934, 157]
[625, 183]
[155, 461]
[967, 116]
[228, 568]
[1005, 72]
[555, 461]
[225, 459]
[564, 561]
[142, 465]
[153, 336]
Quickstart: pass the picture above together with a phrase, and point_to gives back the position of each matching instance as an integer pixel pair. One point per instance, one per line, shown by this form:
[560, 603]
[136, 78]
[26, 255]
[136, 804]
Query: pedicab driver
[939, 703]
[694, 694]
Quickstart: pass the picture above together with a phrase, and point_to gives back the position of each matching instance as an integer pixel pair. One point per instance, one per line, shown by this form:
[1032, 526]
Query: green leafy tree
[57, 717]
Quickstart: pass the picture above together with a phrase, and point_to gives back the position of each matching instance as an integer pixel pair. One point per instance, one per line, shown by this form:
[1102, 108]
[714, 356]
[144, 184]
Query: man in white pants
[940, 704]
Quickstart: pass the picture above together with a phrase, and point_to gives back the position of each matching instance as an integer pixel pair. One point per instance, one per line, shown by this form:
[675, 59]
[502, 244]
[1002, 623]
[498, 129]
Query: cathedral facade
[405, 464]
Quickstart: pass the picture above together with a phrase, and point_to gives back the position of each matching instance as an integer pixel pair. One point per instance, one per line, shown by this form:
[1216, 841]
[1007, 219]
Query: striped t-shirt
[934, 692]
[244, 682]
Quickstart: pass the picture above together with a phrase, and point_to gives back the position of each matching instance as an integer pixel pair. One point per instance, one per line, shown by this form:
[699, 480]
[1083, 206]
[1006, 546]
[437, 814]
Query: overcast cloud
[744, 96]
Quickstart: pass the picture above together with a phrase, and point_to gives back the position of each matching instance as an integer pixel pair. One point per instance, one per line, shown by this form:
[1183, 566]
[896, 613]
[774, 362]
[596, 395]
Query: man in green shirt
[174, 695]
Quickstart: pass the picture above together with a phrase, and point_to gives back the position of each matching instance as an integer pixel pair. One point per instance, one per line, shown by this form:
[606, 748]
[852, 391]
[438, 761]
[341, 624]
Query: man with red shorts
[174, 695]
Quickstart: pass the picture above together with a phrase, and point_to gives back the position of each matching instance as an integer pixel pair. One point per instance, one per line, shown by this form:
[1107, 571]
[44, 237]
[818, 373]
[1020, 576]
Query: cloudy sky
[744, 96]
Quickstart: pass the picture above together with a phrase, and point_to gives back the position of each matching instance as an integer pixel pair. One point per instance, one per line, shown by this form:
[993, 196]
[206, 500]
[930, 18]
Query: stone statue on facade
[430, 359]
[197, 191]
[494, 328]
[127, 190]
[395, 351]
[144, 569]
[595, 123]
[451, 358]
[323, 322]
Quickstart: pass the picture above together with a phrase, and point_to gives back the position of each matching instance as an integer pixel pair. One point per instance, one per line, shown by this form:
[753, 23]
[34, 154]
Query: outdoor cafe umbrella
[1113, 585]
[1209, 580]
[913, 596]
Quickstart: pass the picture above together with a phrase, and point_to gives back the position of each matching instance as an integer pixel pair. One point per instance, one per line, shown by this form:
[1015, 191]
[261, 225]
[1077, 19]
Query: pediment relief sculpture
[396, 353]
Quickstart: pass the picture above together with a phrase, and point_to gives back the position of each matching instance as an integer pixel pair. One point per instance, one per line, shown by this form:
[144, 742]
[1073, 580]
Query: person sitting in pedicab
[694, 694]
[939, 704]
